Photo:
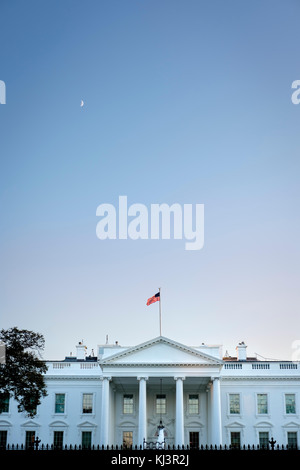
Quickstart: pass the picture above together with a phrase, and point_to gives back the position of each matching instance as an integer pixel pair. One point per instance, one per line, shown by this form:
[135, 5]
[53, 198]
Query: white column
[104, 425]
[142, 410]
[216, 424]
[179, 420]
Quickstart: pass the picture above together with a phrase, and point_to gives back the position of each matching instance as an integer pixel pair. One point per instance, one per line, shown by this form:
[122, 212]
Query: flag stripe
[153, 299]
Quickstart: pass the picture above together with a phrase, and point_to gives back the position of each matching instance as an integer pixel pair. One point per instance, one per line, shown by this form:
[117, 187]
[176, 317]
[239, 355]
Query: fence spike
[153, 446]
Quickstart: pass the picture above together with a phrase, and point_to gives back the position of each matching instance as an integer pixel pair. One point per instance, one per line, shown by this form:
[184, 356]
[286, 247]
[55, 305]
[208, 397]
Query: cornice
[73, 377]
[260, 378]
[156, 365]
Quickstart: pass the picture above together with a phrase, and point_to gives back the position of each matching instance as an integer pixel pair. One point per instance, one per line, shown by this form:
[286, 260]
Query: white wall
[249, 423]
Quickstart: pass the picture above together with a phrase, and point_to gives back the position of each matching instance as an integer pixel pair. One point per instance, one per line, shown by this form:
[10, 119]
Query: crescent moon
[82, 103]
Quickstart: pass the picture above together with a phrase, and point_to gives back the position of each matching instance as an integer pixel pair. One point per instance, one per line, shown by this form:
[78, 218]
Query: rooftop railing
[271, 366]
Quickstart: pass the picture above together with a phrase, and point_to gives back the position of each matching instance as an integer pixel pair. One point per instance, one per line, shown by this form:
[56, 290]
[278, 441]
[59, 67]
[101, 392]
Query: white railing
[74, 365]
[255, 366]
[233, 365]
[88, 365]
[260, 366]
[288, 365]
[61, 365]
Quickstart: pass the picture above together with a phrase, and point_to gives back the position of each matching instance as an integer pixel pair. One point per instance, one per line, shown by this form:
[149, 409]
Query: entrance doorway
[127, 439]
[194, 440]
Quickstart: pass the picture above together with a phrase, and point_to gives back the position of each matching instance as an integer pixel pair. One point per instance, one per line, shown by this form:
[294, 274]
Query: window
[127, 404]
[33, 407]
[193, 404]
[235, 439]
[29, 439]
[86, 439]
[194, 440]
[127, 439]
[262, 403]
[4, 403]
[87, 403]
[234, 403]
[58, 438]
[292, 439]
[264, 439]
[3, 439]
[290, 403]
[161, 404]
[59, 403]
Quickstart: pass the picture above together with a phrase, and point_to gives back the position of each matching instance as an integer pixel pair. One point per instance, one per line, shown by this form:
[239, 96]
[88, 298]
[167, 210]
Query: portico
[184, 394]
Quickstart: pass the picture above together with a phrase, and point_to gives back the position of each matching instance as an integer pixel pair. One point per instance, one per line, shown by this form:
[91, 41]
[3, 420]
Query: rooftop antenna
[265, 358]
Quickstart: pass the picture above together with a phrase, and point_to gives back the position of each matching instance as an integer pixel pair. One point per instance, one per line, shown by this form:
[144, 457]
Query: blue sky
[184, 101]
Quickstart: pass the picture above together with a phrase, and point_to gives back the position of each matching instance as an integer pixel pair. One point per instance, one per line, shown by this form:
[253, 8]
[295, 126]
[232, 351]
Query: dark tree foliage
[22, 375]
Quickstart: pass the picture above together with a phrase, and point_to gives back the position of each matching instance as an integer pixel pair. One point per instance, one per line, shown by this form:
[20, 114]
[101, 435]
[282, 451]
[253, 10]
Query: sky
[184, 101]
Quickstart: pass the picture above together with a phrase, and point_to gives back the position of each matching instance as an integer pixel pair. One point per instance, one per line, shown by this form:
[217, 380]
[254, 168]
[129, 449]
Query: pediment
[264, 424]
[161, 351]
[292, 424]
[195, 424]
[4, 422]
[29, 424]
[58, 424]
[127, 423]
[235, 424]
[87, 424]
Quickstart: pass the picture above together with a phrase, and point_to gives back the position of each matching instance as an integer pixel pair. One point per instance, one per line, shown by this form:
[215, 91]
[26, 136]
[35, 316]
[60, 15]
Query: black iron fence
[147, 447]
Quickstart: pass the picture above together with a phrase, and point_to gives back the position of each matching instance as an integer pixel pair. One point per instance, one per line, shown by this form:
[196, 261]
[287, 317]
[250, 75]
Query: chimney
[241, 351]
[80, 351]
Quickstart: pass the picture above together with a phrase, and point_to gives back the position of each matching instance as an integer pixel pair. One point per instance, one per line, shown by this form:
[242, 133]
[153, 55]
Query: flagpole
[159, 312]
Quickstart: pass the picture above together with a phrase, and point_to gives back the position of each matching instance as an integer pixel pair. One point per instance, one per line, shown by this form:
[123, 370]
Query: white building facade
[121, 396]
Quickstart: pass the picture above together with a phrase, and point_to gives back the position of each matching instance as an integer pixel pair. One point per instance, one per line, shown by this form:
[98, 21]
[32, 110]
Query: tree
[22, 374]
